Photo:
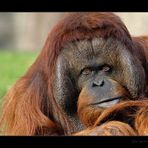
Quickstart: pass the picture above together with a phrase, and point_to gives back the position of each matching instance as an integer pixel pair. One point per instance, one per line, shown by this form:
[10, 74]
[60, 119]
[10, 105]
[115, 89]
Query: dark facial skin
[102, 71]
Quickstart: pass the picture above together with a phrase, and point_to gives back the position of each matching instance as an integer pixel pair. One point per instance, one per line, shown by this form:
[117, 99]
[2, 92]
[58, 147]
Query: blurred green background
[22, 36]
[12, 66]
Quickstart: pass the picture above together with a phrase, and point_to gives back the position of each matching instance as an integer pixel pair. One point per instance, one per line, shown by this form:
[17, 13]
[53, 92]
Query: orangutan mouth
[105, 103]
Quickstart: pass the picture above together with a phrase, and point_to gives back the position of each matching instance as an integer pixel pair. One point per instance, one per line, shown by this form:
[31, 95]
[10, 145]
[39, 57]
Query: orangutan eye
[86, 71]
[106, 68]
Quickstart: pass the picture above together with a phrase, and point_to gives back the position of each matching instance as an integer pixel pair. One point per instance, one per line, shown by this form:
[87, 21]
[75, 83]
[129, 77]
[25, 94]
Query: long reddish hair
[30, 107]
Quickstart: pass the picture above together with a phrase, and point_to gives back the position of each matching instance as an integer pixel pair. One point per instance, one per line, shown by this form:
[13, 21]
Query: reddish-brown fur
[27, 108]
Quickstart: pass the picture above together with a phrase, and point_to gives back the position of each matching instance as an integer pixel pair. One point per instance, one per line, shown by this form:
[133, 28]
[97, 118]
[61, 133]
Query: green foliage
[12, 66]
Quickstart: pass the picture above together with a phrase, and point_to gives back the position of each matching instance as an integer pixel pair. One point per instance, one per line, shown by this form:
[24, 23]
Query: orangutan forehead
[88, 49]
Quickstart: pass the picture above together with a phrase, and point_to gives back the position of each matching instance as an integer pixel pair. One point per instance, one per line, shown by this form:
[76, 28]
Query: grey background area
[28, 31]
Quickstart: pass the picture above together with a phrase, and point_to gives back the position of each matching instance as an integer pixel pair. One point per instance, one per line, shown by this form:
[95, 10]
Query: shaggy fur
[27, 108]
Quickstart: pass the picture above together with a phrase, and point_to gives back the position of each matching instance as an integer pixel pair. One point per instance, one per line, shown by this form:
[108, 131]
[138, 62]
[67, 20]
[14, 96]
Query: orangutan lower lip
[108, 102]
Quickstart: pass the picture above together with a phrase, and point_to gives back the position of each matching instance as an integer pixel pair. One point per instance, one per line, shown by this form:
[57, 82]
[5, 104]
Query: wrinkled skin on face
[93, 75]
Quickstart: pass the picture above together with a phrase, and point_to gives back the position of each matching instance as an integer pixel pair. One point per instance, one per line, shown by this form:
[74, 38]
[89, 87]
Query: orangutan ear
[65, 91]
